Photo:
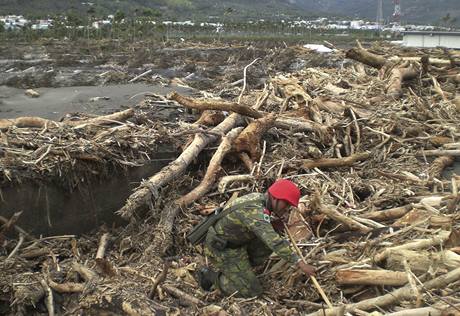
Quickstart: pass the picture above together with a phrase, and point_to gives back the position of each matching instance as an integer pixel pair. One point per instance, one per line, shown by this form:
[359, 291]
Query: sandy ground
[56, 102]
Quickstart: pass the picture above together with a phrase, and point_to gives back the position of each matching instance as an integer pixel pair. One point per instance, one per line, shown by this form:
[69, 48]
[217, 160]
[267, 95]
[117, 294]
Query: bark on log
[365, 57]
[438, 166]
[249, 139]
[404, 293]
[27, 122]
[143, 194]
[392, 213]
[68, 287]
[215, 105]
[335, 162]
[397, 77]
[336, 215]
[210, 118]
[371, 277]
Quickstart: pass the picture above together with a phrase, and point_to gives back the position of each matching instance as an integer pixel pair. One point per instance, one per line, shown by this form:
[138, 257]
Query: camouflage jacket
[251, 221]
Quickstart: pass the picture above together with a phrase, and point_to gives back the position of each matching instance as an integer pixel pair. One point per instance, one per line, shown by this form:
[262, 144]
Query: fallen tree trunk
[404, 293]
[422, 261]
[38, 122]
[362, 55]
[439, 164]
[417, 244]
[392, 213]
[163, 237]
[335, 162]
[397, 77]
[143, 194]
[203, 105]
[336, 215]
[423, 311]
[281, 122]
[249, 139]
[441, 152]
[371, 277]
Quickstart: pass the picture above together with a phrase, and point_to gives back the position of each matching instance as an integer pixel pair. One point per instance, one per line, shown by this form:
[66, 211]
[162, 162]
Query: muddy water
[54, 103]
[48, 209]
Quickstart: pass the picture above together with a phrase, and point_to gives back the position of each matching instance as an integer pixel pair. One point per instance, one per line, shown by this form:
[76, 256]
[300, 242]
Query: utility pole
[397, 12]
[380, 19]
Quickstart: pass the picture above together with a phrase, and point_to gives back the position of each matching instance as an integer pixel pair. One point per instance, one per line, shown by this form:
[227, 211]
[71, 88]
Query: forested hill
[422, 11]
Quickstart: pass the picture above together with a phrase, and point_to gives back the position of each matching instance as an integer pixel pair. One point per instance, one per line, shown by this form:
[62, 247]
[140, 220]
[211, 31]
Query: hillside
[421, 11]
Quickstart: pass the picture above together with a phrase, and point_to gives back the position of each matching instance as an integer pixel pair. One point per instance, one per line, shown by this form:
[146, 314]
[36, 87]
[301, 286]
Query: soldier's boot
[207, 278]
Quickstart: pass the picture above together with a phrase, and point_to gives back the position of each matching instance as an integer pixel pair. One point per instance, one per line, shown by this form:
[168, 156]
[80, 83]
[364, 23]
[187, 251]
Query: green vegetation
[422, 11]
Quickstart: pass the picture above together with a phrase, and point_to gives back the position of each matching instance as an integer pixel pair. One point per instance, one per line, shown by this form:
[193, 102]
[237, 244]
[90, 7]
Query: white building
[431, 39]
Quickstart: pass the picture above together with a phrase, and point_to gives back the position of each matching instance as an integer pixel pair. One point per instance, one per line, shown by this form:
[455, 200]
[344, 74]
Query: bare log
[422, 261]
[164, 238]
[371, 277]
[417, 244]
[38, 122]
[336, 215]
[397, 77]
[212, 171]
[423, 311]
[335, 162]
[392, 213]
[143, 194]
[404, 293]
[215, 105]
[365, 57]
[68, 287]
[23, 122]
[440, 152]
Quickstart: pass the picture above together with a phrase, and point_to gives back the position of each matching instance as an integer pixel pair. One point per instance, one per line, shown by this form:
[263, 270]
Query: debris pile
[370, 145]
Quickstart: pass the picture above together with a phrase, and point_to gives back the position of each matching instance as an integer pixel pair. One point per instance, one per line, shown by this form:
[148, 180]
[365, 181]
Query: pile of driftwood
[368, 144]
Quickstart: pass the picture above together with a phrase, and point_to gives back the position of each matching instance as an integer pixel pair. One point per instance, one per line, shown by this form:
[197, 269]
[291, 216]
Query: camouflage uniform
[250, 239]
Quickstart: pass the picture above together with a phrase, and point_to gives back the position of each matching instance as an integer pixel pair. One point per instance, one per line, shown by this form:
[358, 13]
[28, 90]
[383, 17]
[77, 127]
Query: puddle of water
[54, 103]
[49, 209]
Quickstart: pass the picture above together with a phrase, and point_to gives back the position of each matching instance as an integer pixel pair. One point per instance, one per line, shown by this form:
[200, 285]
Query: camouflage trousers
[235, 267]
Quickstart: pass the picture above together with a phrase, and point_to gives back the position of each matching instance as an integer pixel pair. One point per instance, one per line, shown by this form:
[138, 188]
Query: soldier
[245, 238]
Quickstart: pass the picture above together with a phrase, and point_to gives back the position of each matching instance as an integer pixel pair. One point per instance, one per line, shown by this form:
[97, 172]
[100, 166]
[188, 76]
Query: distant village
[17, 22]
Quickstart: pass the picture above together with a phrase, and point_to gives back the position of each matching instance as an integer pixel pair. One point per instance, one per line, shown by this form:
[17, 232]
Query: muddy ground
[94, 77]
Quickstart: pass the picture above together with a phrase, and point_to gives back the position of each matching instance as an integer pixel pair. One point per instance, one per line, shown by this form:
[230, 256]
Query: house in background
[431, 39]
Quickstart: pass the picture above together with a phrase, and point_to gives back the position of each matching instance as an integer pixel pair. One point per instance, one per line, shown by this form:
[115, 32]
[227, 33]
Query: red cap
[285, 190]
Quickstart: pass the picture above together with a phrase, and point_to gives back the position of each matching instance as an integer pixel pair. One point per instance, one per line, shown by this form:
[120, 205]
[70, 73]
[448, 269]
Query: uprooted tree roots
[368, 146]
